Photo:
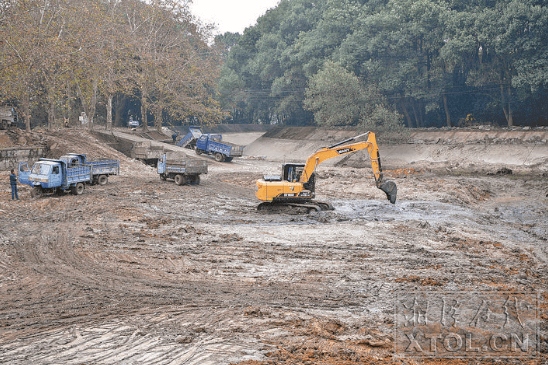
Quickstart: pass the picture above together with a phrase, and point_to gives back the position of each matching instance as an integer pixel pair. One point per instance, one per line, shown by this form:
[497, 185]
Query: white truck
[8, 117]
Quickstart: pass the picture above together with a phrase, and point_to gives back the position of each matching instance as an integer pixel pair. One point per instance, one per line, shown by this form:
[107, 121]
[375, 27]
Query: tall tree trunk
[119, 108]
[144, 116]
[158, 118]
[507, 109]
[93, 105]
[89, 107]
[144, 108]
[416, 114]
[51, 112]
[26, 110]
[109, 111]
[447, 115]
[406, 112]
[510, 114]
[68, 105]
[421, 112]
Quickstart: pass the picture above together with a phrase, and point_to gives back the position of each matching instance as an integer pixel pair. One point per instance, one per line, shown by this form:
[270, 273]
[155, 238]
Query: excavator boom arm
[342, 148]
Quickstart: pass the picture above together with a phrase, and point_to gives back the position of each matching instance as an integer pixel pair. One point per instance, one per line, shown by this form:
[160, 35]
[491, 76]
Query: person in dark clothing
[13, 183]
[174, 136]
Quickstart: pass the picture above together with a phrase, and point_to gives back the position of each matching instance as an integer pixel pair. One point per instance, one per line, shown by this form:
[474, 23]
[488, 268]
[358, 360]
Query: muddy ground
[142, 271]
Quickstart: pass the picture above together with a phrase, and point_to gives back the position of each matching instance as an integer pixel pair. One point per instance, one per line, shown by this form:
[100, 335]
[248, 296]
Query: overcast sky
[231, 15]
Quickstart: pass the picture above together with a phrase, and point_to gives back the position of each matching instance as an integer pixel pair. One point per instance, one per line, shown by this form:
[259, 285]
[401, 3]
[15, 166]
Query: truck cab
[44, 173]
[205, 138]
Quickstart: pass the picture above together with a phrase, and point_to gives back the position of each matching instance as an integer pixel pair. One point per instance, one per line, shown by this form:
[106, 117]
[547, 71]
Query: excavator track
[295, 208]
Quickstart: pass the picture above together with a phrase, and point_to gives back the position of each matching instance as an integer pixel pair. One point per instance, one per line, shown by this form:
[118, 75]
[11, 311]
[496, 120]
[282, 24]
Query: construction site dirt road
[142, 271]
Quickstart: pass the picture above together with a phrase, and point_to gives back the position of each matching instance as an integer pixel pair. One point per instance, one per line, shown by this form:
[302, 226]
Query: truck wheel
[36, 192]
[163, 177]
[228, 159]
[180, 179]
[219, 157]
[102, 180]
[195, 179]
[78, 189]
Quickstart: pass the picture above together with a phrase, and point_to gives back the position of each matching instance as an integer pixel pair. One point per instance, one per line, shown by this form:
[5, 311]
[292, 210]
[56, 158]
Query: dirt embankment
[471, 150]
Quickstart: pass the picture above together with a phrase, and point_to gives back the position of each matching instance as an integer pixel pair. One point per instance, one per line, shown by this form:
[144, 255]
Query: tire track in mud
[66, 285]
[115, 342]
[142, 278]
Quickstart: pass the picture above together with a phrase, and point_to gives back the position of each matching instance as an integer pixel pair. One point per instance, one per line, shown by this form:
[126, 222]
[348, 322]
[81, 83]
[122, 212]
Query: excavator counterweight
[295, 188]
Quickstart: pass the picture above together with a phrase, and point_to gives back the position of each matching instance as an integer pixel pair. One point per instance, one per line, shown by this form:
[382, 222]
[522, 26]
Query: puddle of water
[431, 211]
[522, 223]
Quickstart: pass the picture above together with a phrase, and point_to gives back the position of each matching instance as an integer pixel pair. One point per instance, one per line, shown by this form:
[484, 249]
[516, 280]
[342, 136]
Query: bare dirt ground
[142, 271]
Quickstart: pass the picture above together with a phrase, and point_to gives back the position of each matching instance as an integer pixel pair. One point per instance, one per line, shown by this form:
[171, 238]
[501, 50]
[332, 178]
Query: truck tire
[219, 157]
[228, 159]
[198, 151]
[163, 177]
[78, 189]
[36, 192]
[102, 180]
[180, 179]
[195, 179]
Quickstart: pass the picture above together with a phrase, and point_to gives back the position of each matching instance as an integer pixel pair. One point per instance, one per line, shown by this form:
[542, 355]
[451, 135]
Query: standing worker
[174, 136]
[13, 183]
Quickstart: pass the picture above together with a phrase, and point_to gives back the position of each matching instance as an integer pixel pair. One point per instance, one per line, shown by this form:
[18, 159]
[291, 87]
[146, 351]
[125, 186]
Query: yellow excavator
[296, 187]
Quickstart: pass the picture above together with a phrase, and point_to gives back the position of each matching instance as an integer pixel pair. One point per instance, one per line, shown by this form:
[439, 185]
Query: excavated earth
[142, 271]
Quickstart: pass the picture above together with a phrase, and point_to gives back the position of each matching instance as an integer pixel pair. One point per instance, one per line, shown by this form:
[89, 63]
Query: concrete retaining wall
[462, 149]
[10, 157]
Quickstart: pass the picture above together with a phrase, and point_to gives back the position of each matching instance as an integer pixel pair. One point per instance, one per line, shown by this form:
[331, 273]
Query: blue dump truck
[177, 166]
[210, 144]
[189, 141]
[70, 172]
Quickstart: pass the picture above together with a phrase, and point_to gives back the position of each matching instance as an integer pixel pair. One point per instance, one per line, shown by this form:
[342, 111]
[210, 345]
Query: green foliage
[434, 61]
[337, 98]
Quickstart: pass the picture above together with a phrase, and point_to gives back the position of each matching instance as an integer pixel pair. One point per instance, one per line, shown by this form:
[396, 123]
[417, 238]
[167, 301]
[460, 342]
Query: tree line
[61, 57]
[387, 63]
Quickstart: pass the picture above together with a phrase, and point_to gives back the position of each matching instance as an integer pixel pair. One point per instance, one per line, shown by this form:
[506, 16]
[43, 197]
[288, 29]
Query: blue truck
[189, 140]
[70, 172]
[182, 170]
[210, 144]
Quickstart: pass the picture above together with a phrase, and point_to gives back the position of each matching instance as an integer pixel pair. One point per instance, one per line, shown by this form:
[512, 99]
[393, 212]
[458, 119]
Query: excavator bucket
[391, 190]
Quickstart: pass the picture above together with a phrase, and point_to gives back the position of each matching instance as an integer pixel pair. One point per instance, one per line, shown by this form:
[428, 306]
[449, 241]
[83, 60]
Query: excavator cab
[292, 171]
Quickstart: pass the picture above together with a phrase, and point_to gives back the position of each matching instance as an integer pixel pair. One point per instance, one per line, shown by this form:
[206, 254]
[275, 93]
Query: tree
[337, 97]
[23, 53]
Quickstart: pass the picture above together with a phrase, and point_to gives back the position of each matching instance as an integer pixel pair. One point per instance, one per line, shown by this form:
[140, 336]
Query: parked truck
[70, 172]
[147, 152]
[8, 117]
[177, 166]
[210, 144]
